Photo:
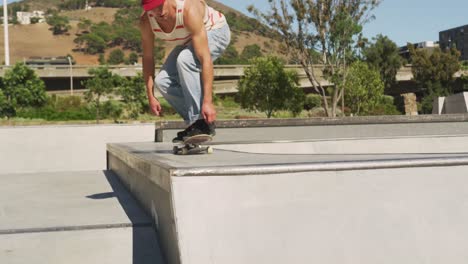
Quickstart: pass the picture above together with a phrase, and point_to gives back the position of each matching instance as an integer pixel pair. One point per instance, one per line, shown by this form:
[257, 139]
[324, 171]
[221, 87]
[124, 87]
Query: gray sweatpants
[179, 80]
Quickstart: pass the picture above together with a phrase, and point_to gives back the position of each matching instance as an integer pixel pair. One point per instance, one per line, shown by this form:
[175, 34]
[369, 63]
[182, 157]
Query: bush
[385, 107]
[112, 109]
[132, 58]
[312, 101]
[116, 57]
[59, 109]
[51, 114]
[229, 102]
[102, 59]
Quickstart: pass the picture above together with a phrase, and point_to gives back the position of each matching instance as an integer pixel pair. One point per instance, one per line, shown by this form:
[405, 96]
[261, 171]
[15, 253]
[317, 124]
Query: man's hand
[155, 106]
[209, 112]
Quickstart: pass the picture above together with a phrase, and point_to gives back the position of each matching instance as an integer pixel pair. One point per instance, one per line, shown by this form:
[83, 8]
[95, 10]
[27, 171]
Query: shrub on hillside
[312, 101]
[116, 57]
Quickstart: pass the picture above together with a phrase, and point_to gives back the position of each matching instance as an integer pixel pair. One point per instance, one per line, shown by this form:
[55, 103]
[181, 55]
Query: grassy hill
[246, 31]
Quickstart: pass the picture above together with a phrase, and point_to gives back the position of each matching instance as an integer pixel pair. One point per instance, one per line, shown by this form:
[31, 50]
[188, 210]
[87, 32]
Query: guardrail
[220, 71]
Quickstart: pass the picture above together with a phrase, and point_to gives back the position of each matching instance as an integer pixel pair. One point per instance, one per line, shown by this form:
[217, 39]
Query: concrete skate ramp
[401, 145]
[400, 200]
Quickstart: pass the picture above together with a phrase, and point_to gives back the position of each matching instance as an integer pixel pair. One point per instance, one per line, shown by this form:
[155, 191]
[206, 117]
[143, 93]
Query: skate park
[331, 190]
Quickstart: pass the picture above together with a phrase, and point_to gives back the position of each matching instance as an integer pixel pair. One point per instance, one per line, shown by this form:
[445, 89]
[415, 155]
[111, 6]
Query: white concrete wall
[64, 148]
[387, 216]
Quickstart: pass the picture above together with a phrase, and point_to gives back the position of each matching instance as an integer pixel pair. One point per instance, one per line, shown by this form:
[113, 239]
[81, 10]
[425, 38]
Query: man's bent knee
[161, 81]
[187, 61]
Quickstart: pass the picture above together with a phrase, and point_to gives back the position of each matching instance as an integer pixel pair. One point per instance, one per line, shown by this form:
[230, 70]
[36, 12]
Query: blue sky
[401, 20]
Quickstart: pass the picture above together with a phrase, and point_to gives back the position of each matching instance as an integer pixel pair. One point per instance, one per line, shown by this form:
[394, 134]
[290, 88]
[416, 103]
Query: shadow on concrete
[146, 248]
[100, 196]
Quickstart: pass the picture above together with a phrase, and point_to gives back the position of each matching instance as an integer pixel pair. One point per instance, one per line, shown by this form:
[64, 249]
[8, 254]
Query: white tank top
[180, 35]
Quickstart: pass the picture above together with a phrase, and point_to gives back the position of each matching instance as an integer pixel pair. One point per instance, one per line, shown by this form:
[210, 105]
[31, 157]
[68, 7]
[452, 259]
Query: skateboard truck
[193, 145]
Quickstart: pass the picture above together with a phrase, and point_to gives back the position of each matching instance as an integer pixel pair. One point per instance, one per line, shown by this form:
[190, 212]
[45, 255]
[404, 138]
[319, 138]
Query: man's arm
[147, 40]
[193, 20]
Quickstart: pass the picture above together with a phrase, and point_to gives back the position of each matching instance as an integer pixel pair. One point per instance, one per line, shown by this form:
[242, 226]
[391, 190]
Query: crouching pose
[200, 34]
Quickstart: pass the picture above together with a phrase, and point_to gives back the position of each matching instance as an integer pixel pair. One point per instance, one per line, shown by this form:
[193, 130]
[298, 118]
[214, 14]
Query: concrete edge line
[366, 120]
[141, 165]
[73, 125]
[72, 228]
[216, 143]
[322, 166]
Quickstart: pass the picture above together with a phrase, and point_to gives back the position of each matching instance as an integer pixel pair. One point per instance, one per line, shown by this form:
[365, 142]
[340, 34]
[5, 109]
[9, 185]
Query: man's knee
[161, 81]
[187, 60]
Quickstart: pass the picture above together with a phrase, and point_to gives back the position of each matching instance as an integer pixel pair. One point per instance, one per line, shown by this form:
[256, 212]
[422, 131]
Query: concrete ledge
[340, 127]
[322, 121]
[240, 207]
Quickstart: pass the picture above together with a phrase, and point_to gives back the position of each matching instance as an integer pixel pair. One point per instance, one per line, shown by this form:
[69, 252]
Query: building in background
[455, 37]
[25, 18]
[427, 45]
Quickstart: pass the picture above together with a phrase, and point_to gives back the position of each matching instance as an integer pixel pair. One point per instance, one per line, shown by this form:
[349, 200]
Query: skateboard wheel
[184, 151]
[175, 150]
[209, 150]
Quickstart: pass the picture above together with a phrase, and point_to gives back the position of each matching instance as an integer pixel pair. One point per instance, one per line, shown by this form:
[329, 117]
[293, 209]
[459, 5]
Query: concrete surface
[453, 104]
[73, 217]
[113, 246]
[326, 128]
[359, 146]
[244, 207]
[408, 215]
[63, 148]
[456, 103]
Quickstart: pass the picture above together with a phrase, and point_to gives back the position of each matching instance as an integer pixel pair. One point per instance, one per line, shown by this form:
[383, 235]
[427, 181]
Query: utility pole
[5, 29]
[71, 74]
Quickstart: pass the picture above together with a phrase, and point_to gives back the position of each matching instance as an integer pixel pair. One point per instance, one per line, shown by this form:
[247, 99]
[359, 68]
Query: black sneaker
[200, 127]
[182, 134]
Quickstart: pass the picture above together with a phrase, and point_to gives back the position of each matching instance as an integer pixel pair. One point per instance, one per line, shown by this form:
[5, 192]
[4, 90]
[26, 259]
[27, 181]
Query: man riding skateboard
[201, 34]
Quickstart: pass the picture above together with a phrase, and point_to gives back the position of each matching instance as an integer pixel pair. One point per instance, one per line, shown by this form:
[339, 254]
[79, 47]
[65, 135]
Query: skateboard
[193, 145]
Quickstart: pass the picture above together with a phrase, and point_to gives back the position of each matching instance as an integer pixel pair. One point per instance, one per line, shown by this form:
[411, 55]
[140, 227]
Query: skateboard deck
[194, 145]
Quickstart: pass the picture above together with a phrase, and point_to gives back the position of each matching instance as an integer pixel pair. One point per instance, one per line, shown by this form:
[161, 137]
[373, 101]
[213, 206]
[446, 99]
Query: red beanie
[150, 4]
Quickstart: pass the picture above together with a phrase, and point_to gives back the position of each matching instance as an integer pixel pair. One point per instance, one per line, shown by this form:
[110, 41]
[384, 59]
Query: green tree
[116, 57]
[250, 52]
[112, 109]
[365, 89]
[267, 87]
[434, 73]
[85, 25]
[100, 85]
[133, 94]
[72, 4]
[331, 27]
[126, 28]
[132, 58]
[22, 88]
[102, 59]
[6, 109]
[34, 20]
[383, 56]
[312, 101]
[59, 24]
[94, 43]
